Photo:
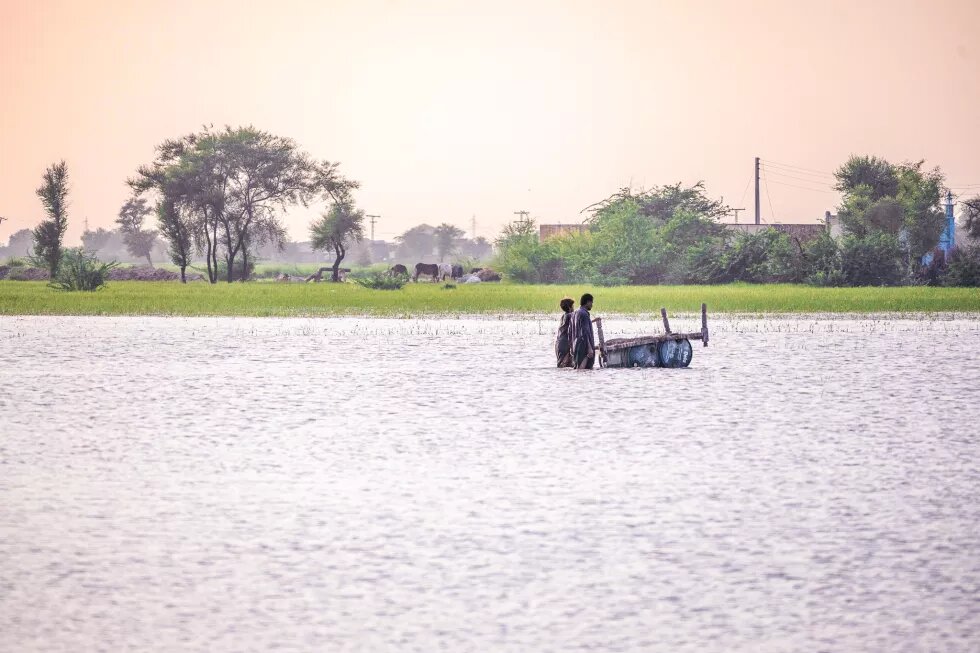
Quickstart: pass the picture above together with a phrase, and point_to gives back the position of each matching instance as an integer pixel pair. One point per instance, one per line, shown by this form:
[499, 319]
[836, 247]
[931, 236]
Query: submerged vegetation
[422, 299]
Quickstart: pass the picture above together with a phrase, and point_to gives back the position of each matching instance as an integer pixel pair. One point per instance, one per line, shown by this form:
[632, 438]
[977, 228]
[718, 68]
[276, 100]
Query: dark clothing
[582, 338]
[582, 360]
[563, 344]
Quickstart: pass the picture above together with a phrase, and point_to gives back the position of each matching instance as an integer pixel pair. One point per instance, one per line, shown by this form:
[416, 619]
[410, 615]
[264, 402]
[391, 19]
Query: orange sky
[444, 110]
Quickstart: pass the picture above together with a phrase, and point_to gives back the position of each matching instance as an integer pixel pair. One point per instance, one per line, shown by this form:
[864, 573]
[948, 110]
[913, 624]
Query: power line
[745, 192]
[800, 168]
[765, 176]
[811, 180]
[815, 190]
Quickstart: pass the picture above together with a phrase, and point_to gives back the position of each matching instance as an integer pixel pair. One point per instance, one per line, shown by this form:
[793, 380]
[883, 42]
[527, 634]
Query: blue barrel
[642, 356]
[675, 353]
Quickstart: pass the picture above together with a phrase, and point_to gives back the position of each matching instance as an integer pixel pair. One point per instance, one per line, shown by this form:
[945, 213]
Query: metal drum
[642, 356]
[675, 353]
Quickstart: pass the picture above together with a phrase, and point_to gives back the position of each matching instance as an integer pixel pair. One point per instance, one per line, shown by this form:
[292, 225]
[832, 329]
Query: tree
[178, 230]
[879, 177]
[230, 186]
[898, 200]
[139, 241]
[447, 239]
[48, 235]
[971, 218]
[21, 242]
[417, 242]
[478, 248]
[93, 241]
[337, 230]
[659, 203]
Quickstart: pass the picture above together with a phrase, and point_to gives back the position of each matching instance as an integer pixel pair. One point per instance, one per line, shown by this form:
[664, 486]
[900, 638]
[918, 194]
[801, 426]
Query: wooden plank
[617, 344]
[602, 342]
[704, 324]
[663, 314]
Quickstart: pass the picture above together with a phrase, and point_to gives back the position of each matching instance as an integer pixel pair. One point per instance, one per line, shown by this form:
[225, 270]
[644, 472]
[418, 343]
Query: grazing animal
[431, 269]
[397, 270]
[445, 271]
[457, 272]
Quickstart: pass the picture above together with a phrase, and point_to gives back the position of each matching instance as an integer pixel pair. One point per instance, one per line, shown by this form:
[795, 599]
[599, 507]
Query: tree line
[891, 216]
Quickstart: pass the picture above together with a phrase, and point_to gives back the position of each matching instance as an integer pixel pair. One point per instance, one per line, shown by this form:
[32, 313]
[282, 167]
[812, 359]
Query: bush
[81, 271]
[875, 260]
[381, 280]
[768, 256]
[963, 267]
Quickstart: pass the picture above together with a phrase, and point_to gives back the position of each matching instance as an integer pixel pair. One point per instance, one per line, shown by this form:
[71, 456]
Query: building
[546, 231]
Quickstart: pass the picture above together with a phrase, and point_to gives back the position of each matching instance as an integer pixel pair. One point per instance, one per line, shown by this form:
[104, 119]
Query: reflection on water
[356, 484]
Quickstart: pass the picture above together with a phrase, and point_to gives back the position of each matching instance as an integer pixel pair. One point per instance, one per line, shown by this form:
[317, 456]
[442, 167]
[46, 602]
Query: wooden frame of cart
[665, 350]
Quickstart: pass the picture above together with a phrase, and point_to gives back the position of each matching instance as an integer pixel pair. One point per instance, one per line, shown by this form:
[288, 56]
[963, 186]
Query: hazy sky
[445, 110]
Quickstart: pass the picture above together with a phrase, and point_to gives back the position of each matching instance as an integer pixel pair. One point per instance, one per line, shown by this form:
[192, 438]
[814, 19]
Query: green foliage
[178, 229]
[971, 217]
[447, 239]
[821, 262]
[338, 229]
[49, 234]
[225, 189]
[417, 242]
[81, 271]
[767, 256]
[381, 280]
[963, 267]
[875, 260]
[93, 241]
[660, 203]
[139, 241]
[898, 200]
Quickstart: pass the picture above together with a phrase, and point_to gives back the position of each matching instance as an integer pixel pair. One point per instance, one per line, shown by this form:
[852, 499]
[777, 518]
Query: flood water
[372, 485]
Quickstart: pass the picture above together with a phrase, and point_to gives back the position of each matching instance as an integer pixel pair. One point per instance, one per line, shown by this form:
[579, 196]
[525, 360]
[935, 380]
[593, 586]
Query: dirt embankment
[134, 273]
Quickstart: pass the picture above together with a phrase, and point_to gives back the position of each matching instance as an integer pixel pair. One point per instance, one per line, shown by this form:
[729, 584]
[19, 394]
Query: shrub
[874, 260]
[381, 280]
[963, 267]
[81, 271]
[768, 256]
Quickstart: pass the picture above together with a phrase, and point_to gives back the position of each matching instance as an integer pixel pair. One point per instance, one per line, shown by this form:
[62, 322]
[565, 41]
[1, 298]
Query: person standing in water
[583, 340]
[563, 343]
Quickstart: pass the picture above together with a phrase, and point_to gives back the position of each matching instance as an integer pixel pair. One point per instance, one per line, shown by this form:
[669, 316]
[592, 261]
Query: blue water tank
[675, 353]
[643, 356]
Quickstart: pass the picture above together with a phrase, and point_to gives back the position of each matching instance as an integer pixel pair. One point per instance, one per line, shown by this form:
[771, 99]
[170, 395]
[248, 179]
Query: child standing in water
[563, 343]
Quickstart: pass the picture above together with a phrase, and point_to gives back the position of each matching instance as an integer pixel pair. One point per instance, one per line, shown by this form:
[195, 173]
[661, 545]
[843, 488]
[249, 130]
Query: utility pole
[758, 206]
[735, 211]
[374, 218]
[523, 214]
[473, 227]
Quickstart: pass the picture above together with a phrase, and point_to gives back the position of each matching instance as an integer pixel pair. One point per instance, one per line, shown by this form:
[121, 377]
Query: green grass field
[274, 299]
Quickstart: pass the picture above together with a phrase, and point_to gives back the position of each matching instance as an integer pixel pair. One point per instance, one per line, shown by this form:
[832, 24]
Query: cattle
[398, 270]
[457, 272]
[431, 269]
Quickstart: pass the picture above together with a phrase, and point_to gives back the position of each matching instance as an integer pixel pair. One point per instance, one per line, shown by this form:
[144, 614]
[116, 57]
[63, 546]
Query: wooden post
[602, 342]
[663, 314]
[704, 324]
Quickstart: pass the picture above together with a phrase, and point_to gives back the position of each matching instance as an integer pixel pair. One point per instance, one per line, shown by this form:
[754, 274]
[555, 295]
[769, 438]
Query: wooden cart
[665, 350]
